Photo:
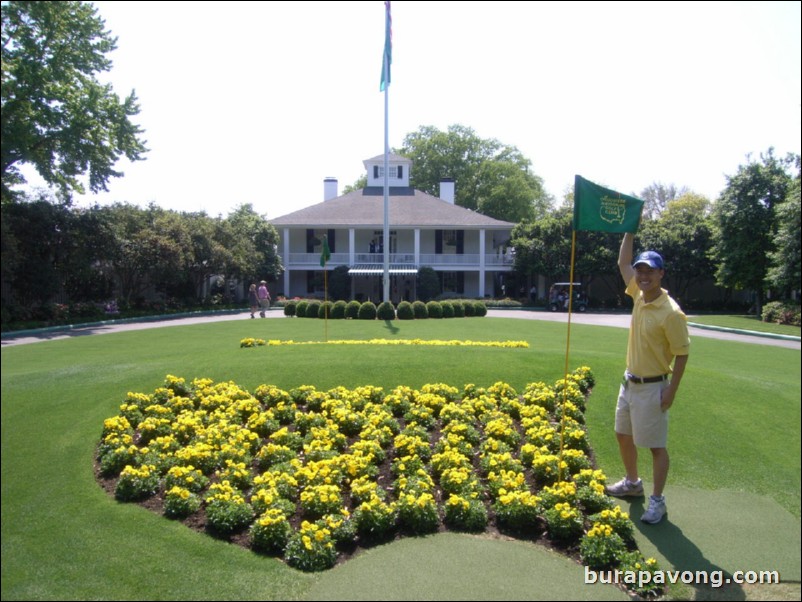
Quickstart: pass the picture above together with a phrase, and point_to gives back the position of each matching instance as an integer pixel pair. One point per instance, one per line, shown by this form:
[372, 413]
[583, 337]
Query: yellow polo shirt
[658, 333]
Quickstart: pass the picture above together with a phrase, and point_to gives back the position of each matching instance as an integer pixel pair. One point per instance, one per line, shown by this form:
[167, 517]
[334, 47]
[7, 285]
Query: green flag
[325, 254]
[387, 57]
[603, 210]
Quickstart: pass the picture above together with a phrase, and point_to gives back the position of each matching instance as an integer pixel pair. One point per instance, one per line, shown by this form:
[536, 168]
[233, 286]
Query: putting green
[451, 566]
[705, 531]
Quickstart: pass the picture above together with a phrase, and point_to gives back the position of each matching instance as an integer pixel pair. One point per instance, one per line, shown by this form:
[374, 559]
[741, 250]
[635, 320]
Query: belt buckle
[629, 377]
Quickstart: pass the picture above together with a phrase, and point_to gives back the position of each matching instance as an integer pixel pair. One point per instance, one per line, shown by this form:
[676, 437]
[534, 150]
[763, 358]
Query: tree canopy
[746, 223]
[492, 178]
[56, 115]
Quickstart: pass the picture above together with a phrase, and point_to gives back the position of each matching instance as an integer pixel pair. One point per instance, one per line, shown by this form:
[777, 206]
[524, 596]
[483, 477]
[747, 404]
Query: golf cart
[558, 297]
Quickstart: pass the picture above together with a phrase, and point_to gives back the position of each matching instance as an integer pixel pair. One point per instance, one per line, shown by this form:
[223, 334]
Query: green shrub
[367, 311]
[289, 308]
[404, 311]
[479, 309]
[386, 311]
[300, 309]
[469, 308]
[434, 309]
[352, 309]
[507, 302]
[781, 312]
[313, 309]
[338, 310]
[428, 284]
[325, 310]
[420, 311]
[448, 309]
[459, 309]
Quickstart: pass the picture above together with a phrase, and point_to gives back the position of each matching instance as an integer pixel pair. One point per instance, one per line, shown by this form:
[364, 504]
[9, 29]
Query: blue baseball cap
[650, 258]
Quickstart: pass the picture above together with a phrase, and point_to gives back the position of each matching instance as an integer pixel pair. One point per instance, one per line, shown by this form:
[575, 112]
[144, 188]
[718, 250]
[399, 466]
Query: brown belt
[643, 381]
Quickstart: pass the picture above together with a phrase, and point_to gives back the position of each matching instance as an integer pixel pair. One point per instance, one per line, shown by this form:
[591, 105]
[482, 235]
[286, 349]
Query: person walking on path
[253, 299]
[264, 298]
[658, 336]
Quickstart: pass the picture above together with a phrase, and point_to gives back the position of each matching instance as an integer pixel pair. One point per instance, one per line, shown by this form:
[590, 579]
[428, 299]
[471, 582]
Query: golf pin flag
[325, 254]
[387, 57]
[603, 210]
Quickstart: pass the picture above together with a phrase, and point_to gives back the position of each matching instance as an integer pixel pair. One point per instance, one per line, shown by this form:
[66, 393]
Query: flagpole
[325, 305]
[386, 234]
[567, 354]
[385, 86]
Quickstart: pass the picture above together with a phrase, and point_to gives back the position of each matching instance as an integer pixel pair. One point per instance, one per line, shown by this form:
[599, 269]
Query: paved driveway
[612, 320]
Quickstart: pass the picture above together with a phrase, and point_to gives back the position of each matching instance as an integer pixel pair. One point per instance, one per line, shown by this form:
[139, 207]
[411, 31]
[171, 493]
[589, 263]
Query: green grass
[744, 322]
[735, 425]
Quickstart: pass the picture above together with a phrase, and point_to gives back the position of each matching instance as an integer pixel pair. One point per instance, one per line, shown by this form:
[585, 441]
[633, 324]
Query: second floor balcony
[501, 261]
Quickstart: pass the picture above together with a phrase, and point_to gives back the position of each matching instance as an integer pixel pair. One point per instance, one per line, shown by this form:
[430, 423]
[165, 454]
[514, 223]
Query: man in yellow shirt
[658, 335]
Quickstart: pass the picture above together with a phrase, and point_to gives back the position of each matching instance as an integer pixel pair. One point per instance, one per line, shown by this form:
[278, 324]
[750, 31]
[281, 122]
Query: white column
[286, 238]
[417, 247]
[351, 246]
[482, 264]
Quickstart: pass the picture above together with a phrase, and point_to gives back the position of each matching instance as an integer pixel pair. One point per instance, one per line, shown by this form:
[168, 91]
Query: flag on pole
[387, 58]
[325, 254]
[603, 210]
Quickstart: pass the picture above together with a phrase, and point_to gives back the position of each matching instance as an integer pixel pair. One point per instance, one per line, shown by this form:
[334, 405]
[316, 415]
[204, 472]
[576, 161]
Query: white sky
[258, 102]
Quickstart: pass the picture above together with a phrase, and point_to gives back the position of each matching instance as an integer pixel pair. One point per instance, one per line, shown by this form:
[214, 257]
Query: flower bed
[312, 475]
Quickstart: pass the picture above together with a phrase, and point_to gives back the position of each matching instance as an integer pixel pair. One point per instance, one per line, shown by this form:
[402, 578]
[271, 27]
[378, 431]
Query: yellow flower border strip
[415, 342]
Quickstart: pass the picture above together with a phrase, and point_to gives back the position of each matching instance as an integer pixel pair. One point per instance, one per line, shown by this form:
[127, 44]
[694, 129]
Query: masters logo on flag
[603, 210]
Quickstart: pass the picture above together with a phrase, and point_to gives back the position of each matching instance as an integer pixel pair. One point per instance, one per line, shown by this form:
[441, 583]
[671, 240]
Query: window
[395, 171]
[378, 238]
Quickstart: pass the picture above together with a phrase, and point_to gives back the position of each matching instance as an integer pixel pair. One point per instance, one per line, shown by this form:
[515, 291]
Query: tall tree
[784, 273]
[745, 223]
[254, 245]
[56, 115]
[682, 234]
[657, 196]
[491, 177]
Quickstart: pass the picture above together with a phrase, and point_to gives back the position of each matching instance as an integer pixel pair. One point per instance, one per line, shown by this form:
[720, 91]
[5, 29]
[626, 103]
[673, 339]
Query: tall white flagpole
[386, 84]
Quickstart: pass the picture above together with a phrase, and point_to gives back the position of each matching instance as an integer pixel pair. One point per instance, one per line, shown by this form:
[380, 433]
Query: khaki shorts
[638, 414]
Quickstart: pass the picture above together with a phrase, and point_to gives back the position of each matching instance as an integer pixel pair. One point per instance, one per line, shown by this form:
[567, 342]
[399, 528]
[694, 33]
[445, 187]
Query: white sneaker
[656, 511]
[626, 488]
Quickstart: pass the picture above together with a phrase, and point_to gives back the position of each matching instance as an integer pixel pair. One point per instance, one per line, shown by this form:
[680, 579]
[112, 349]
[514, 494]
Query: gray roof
[408, 208]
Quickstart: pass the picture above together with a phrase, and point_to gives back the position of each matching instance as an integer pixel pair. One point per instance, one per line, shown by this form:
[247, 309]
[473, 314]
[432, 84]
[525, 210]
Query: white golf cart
[558, 297]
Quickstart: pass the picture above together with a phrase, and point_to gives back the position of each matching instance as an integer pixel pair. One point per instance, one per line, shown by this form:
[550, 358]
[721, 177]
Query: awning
[377, 269]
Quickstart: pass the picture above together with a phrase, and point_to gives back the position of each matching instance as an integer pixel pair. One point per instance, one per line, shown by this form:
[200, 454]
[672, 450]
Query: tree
[56, 115]
[361, 182]
[254, 245]
[745, 223]
[657, 196]
[784, 273]
[544, 247]
[33, 233]
[428, 284]
[491, 177]
[682, 234]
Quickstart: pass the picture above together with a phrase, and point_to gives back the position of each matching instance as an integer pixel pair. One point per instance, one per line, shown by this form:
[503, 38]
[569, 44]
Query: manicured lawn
[743, 322]
[735, 426]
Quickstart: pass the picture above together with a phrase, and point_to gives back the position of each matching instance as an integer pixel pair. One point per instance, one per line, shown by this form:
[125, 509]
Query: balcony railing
[310, 260]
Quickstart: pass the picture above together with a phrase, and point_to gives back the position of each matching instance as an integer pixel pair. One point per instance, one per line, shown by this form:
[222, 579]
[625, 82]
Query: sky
[259, 102]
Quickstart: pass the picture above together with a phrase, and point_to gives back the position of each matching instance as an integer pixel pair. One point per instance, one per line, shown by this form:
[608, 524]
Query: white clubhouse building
[468, 251]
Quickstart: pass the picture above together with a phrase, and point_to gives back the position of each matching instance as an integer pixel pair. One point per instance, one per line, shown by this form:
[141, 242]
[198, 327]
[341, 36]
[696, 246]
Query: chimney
[330, 189]
[447, 189]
